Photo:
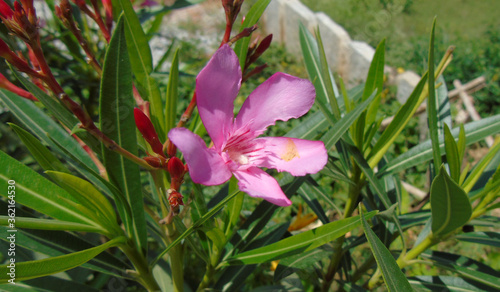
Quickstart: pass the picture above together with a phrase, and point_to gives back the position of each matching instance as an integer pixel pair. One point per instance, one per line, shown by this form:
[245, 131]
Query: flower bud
[158, 162]
[175, 199]
[148, 131]
[6, 10]
[175, 167]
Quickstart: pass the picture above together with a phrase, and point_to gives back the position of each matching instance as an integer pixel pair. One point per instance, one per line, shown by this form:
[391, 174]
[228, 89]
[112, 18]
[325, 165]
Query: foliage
[107, 200]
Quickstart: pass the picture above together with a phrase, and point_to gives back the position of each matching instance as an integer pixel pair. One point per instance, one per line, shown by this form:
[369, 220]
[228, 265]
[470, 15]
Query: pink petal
[206, 166]
[296, 156]
[217, 86]
[281, 97]
[257, 183]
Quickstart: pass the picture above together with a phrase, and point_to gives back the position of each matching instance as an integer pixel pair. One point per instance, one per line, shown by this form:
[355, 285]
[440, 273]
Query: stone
[294, 12]
[360, 56]
[336, 43]
[406, 82]
[273, 20]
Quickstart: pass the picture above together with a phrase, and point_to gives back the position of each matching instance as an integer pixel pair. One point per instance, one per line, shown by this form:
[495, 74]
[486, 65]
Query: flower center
[240, 146]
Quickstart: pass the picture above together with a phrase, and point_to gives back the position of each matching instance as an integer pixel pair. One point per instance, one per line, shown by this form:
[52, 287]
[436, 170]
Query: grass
[459, 22]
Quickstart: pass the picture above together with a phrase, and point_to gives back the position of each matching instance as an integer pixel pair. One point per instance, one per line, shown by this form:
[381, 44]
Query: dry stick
[470, 87]
[469, 106]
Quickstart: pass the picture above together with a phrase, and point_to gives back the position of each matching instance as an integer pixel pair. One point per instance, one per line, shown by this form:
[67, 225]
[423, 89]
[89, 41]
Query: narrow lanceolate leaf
[49, 266]
[432, 105]
[465, 267]
[241, 47]
[393, 276]
[58, 111]
[329, 82]
[34, 191]
[300, 243]
[397, 125]
[313, 66]
[480, 167]
[117, 122]
[445, 283]
[475, 131]
[172, 95]
[88, 196]
[375, 81]
[452, 156]
[48, 224]
[36, 120]
[42, 155]
[487, 238]
[141, 61]
[450, 205]
[342, 125]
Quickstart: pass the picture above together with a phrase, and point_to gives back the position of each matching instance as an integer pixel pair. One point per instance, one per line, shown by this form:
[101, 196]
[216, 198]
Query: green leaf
[36, 121]
[465, 267]
[34, 191]
[313, 66]
[141, 61]
[342, 125]
[479, 168]
[432, 105]
[42, 155]
[117, 122]
[452, 156]
[401, 119]
[253, 15]
[325, 72]
[450, 205]
[375, 82]
[195, 226]
[475, 131]
[394, 278]
[299, 243]
[300, 262]
[87, 195]
[445, 283]
[461, 143]
[486, 238]
[309, 128]
[48, 224]
[56, 243]
[49, 266]
[58, 111]
[172, 95]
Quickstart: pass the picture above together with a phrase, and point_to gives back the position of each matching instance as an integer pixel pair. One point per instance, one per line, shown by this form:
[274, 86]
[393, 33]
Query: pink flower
[237, 149]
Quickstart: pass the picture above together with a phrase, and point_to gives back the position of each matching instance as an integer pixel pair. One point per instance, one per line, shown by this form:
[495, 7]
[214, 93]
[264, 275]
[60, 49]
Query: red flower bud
[158, 162]
[175, 167]
[148, 131]
[6, 10]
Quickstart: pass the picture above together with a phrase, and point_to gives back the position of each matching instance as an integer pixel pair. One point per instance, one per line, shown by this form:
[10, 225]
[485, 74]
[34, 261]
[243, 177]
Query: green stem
[144, 274]
[176, 255]
[207, 278]
[354, 191]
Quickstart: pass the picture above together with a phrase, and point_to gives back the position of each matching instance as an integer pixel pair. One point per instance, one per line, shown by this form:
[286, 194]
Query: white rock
[406, 82]
[336, 43]
[273, 20]
[294, 13]
[360, 56]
